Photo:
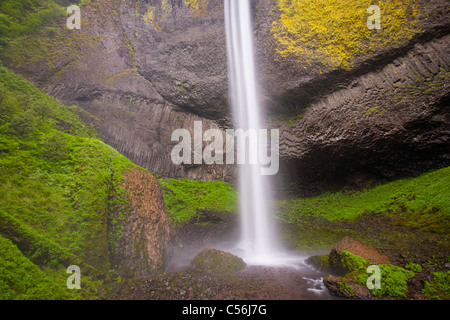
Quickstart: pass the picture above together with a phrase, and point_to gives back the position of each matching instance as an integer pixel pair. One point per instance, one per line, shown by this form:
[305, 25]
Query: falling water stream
[259, 240]
[259, 244]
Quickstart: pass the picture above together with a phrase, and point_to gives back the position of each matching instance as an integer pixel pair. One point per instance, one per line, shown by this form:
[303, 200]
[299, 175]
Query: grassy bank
[58, 187]
[387, 214]
[427, 195]
[183, 198]
[390, 214]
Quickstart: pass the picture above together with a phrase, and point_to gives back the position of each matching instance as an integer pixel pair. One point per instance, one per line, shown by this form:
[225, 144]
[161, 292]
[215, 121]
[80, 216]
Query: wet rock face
[297, 81]
[110, 69]
[146, 68]
[389, 122]
[181, 50]
[145, 244]
[347, 288]
[383, 116]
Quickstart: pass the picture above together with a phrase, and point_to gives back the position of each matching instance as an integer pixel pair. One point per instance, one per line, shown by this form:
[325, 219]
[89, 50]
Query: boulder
[144, 233]
[216, 262]
[320, 262]
[343, 258]
[394, 282]
[350, 260]
[346, 287]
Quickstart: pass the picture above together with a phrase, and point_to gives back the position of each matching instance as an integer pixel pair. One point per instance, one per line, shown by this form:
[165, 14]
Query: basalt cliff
[352, 103]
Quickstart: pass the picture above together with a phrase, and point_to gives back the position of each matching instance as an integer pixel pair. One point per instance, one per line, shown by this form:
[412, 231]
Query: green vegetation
[49, 43]
[414, 267]
[60, 195]
[393, 280]
[183, 198]
[21, 279]
[321, 262]
[351, 262]
[334, 33]
[423, 200]
[439, 287]
[22, 17]
[409, 214]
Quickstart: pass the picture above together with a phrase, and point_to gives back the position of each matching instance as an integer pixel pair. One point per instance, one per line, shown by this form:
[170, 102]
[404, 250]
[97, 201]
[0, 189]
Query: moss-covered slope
[61, 196]
[407, 215]
[184, 197]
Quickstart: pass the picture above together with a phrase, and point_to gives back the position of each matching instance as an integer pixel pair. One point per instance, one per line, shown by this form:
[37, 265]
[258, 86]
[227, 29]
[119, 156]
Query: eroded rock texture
[144, 68]
[145, 243]
[386, 123]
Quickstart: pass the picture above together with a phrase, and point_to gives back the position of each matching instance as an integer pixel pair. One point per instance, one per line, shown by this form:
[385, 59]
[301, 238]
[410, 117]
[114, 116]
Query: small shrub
[50, 31]
[52, 14]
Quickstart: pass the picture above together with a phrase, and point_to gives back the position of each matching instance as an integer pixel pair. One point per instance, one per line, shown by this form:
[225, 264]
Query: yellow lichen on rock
[166, 8]
[192, 4]
[150, 18]
[197, 7]
[335, 33]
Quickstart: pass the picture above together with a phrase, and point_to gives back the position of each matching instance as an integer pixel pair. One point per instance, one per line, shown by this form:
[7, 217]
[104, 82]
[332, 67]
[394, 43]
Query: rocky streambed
[343, 273]
[251, 282]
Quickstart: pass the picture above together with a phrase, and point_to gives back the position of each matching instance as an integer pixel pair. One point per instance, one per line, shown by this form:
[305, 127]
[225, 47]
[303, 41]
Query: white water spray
[259, 238]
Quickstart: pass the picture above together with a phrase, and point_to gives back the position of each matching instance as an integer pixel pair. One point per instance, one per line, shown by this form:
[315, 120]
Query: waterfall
[259, 240]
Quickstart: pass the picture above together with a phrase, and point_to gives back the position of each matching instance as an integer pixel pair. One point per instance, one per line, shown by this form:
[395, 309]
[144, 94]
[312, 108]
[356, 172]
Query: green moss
[40, 48]
[352, 262]
[320, 262]
[393, 280]
[18, 17]
[61, 200]
[415, 267]
[439, 287]
[124, 74]
[183, 198]
[345, 288]
[422, 201]
[21, 279]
